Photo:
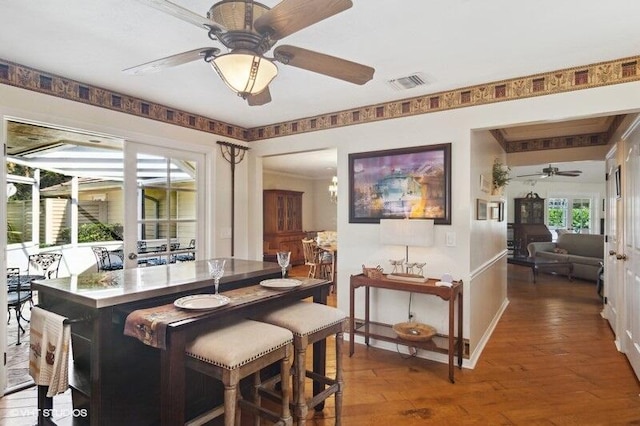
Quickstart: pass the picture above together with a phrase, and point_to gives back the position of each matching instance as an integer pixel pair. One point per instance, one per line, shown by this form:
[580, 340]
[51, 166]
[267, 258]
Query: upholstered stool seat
[310, 323]
[236, 351]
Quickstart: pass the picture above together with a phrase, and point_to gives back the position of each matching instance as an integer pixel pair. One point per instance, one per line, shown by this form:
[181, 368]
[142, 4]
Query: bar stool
[234, 352]
[310, 323]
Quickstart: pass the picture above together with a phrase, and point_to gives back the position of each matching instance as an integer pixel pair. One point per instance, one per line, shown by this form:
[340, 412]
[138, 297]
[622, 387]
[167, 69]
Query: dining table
[22, 281]
[129, 337]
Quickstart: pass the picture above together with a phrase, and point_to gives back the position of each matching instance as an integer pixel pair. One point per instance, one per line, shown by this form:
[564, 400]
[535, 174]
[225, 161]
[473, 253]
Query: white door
[612, 274]
[3, 243]
[630, 257]
[164, 195]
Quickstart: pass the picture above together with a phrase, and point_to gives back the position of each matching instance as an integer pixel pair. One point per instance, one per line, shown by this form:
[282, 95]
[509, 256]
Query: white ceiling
[456, 43]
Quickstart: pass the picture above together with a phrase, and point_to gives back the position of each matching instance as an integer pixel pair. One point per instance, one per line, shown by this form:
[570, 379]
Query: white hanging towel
[49, 350]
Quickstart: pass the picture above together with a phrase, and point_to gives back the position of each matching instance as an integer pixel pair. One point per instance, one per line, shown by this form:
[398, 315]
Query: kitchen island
[117, 379]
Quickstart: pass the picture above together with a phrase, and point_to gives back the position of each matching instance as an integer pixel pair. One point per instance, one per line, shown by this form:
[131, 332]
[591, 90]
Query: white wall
[358, 243]
[486, 297]
[326, 211]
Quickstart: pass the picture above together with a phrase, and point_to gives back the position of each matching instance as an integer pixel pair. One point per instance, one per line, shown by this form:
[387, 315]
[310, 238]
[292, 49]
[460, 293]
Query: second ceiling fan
[248, 30]
[553, 171]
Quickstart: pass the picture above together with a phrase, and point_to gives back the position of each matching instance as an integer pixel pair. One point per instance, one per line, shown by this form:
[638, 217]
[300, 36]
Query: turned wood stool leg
[240, 350]
[311, 323]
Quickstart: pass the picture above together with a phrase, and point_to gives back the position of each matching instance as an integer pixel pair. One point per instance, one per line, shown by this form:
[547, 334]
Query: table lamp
[407, 232]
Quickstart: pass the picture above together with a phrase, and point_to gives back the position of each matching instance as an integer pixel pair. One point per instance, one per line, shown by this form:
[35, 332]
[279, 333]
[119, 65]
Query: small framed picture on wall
[481, 209]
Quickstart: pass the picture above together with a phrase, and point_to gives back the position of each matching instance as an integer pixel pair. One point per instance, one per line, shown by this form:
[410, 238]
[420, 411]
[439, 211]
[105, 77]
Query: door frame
[206, 176]
[612, 296]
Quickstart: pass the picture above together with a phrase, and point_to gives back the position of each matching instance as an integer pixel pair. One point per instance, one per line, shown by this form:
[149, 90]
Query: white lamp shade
[407, 232]
[245, 72]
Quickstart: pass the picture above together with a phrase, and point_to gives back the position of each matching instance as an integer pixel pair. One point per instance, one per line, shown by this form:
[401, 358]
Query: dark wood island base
[117, 379]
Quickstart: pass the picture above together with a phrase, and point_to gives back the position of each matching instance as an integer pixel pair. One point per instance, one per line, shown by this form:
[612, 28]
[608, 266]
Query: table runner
[149, 325]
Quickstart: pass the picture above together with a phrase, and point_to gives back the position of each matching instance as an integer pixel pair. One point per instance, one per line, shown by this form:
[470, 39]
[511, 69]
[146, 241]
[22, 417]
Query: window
[571, 214]
[581, 215]
[558, 211]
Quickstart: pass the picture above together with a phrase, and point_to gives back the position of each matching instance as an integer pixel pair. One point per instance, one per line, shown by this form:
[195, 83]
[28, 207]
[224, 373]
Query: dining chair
[106, 260]
[310, 256]
[326, 264]
[17, 297]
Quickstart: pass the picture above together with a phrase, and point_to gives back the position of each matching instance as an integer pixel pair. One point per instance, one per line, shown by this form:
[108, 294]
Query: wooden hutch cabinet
[528, 223]
[282, 222]
[529, 209]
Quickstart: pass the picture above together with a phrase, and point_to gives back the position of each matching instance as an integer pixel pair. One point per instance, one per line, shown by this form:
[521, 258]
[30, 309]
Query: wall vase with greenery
[500, 177]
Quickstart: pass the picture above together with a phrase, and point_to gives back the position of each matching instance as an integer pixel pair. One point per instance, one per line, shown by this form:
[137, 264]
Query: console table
[384, 332]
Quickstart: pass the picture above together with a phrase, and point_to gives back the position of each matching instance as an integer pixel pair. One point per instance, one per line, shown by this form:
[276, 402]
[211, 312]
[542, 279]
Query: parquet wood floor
[550, 361]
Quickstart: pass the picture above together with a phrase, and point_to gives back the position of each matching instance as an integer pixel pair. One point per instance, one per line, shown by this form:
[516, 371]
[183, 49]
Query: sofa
[584, 251]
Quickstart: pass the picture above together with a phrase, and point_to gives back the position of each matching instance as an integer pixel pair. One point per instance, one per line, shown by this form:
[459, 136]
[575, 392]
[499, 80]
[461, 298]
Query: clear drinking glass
[216, 270]
[283, 261]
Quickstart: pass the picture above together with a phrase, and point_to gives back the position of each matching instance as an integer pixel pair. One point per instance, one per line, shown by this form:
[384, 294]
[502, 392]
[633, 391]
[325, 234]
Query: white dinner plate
[202, 301]
[280, 283]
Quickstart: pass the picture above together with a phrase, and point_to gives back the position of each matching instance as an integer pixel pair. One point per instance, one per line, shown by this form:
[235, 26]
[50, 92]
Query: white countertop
[104, 289]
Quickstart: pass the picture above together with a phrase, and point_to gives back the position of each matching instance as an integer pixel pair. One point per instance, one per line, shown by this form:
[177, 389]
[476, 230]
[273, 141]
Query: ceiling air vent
[409, 82]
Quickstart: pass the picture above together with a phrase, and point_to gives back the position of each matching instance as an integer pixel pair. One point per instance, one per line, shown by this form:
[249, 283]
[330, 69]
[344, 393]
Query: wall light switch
[451, 239]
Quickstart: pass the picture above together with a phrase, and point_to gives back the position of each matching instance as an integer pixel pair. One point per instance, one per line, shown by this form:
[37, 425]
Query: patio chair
[17, 296]
[44, 264]
[186, 257]
[106, 260]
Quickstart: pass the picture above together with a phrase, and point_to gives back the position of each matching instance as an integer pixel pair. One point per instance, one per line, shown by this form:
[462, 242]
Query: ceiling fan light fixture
[245, 72]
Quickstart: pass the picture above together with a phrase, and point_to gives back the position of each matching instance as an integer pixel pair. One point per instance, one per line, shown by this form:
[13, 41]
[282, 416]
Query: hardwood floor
[550, 361]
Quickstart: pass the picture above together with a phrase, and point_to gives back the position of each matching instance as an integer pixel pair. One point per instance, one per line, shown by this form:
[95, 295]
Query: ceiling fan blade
[261, 98]
[172, 61]
[324, 64]
[573, 173]
[290, 16]
[540, 175]
[181, 13]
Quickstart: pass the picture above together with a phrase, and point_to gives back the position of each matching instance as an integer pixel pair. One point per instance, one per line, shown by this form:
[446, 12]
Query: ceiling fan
[248, 30]
[554, 171]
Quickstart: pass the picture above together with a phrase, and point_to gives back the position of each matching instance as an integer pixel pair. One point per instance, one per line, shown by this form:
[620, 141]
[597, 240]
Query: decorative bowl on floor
[414, 331]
